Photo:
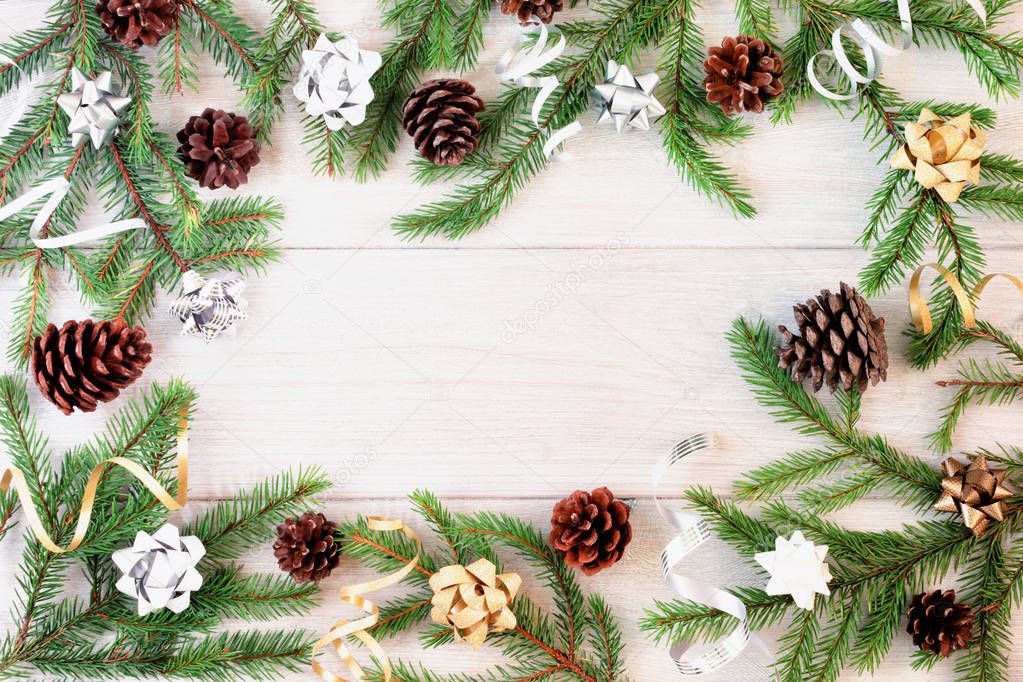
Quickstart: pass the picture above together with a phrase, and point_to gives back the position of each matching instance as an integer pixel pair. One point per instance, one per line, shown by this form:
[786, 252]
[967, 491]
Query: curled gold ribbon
[353, 594]
[922, 314]
[15, 477]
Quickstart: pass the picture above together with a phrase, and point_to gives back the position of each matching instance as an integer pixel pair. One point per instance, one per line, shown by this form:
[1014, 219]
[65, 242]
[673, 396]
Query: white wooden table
[391, 364]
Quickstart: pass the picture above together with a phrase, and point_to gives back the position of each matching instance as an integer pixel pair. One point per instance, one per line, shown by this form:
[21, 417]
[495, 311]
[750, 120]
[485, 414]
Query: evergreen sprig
[138, 175]
[581, 640]
[100, 636]
[874, 572]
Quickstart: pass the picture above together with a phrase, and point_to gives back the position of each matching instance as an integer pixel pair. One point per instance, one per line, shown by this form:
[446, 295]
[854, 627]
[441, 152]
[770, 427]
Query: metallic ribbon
[516, 65]
[873, 47]
[17, 478]
[693, 532]
[352, 594]
[55, 190]
[922, 314]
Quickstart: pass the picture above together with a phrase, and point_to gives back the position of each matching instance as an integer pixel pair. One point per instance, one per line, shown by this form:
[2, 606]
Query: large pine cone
[591, 530]
[306, 548]
[543, 10]
[218, 148]
[938, 623]
[742, 74]
[842, 342]
[440, 115]
[86, 363]
[135, 23]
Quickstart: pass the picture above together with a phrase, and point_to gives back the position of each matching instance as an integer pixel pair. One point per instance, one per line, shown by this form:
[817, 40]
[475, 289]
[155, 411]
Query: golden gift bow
[474, 600]
[975, 491]
[13, 475]
[922, 314]
[352, 594]
[943, 155]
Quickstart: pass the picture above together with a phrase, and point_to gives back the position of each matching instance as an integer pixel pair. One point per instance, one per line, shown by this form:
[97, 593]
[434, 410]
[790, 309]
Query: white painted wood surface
[568, 345]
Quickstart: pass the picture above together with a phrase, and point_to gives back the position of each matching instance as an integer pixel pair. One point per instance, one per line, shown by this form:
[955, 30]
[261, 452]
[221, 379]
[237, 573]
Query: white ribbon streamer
[873, 47]
[56, 189]
[516, 66]
[693, 532]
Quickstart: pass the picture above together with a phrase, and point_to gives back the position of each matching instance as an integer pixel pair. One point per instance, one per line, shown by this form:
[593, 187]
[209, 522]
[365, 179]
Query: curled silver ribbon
[55, 190]
[516, 66]
[693, 532]
[873, 47]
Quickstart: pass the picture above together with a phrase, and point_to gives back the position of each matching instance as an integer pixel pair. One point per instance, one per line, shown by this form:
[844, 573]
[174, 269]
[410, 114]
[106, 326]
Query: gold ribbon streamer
[922, 314]
[352, 594]
[13, 475]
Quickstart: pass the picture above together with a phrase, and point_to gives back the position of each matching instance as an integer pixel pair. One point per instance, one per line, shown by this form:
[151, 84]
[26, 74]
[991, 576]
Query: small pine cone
[742, 74]
[86, 363]
[440, 115]
[842, 342]
[135, 23]
[938, 623]
[218, 149]
[544, 10]
[591, 530]
[306, 549]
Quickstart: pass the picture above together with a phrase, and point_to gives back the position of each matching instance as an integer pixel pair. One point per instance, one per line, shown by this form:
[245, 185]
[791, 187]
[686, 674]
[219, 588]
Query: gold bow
[474, 600]
[944, 155]
[15, 476]
[359, 629]
[975, 491]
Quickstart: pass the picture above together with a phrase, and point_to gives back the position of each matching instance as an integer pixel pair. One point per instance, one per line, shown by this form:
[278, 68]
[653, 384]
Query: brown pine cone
[591, 530]
[135, 23]
[86, 363]
[842, 342]
[938, 623]
[306, 548]
[543, 10]
[742, 74]
[440, 115]
[218, 148]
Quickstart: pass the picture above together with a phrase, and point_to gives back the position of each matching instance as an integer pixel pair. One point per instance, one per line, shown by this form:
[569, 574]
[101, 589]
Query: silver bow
[209, 306]
[334, 81]
[94, 108]
[627, 99]
[159, 569]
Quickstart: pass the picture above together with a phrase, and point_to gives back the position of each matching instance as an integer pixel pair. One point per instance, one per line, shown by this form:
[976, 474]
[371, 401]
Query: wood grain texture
[566, 346]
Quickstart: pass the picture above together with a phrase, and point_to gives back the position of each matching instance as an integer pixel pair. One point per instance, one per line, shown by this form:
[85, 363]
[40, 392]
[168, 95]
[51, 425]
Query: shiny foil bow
[976, 491]
[474, 600]
[159, 569]
[922, 314]
[16, 478]
[209, 306]
[628, 100]
[334, 81]
[94, 108]
[943, 155]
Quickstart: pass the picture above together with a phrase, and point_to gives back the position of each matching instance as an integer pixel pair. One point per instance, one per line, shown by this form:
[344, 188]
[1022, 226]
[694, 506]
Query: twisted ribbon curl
[872, 46]
[693, 532]
[922, 314]
[516, 65]
[353, 594]
[14, 476]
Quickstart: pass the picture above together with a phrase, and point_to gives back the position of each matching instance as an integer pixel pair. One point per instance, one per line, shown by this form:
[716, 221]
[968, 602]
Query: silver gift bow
[693, 532]
[628, 100]
[873, 47]
[334, 81]
[94, 108]
[159, 569]
[209, 306]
